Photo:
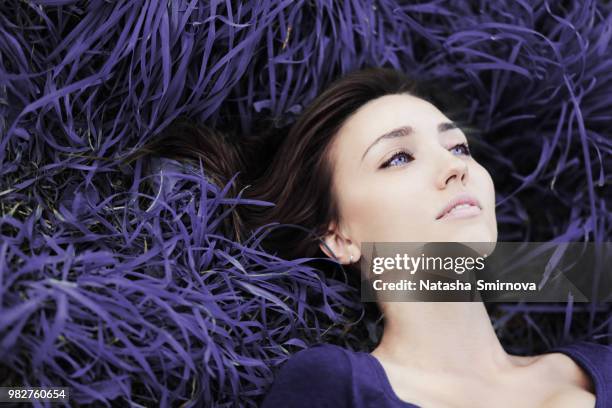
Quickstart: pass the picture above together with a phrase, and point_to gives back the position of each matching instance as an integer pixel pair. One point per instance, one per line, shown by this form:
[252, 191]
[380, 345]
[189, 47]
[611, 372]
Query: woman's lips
[459, 207]
[462, 211]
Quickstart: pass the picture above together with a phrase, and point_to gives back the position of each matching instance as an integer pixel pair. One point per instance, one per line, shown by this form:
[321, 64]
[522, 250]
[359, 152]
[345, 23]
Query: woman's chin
[471, 234]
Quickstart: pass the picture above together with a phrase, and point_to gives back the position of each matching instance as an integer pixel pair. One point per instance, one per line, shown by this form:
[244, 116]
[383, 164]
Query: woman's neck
[449, 337]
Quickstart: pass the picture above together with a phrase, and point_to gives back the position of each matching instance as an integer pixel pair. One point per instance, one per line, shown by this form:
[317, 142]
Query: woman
[334, 174]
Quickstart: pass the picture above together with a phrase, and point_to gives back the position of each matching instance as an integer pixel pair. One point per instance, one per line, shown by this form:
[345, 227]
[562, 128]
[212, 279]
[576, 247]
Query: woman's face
[392, 189]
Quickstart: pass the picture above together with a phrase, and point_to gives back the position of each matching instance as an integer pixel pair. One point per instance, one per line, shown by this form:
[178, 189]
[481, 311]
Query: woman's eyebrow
[407, 131]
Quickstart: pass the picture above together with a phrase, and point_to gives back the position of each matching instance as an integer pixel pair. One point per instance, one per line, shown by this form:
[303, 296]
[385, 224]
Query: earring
[351, 261]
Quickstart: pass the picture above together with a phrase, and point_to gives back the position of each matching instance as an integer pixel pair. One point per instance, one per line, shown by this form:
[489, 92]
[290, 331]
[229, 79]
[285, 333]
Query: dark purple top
[326, 375]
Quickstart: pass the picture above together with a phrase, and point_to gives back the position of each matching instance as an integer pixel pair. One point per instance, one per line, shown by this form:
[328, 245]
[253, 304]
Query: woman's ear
[338, 247]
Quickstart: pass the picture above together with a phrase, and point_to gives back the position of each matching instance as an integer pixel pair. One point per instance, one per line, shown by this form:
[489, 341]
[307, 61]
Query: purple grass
[132, 294]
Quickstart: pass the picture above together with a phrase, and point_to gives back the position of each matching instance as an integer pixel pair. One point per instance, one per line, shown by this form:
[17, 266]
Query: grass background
[131, 296]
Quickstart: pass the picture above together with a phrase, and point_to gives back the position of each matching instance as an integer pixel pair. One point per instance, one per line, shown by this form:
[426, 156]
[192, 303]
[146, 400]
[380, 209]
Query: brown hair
[292, 168]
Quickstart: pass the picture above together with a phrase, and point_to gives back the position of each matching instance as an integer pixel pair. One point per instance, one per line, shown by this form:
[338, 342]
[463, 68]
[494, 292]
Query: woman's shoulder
[597, 353]
[320, 357]
[591, 356]
[596, 356]
[595, 362]
[596, 348]
[326, 364]
[317, 376]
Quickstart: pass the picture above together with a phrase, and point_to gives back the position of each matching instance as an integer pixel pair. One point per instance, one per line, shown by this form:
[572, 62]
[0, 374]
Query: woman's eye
[464, 146]
[396, 156]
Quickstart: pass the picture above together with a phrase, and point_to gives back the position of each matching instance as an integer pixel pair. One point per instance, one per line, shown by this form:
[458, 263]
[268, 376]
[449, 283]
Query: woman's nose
[452, 168]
